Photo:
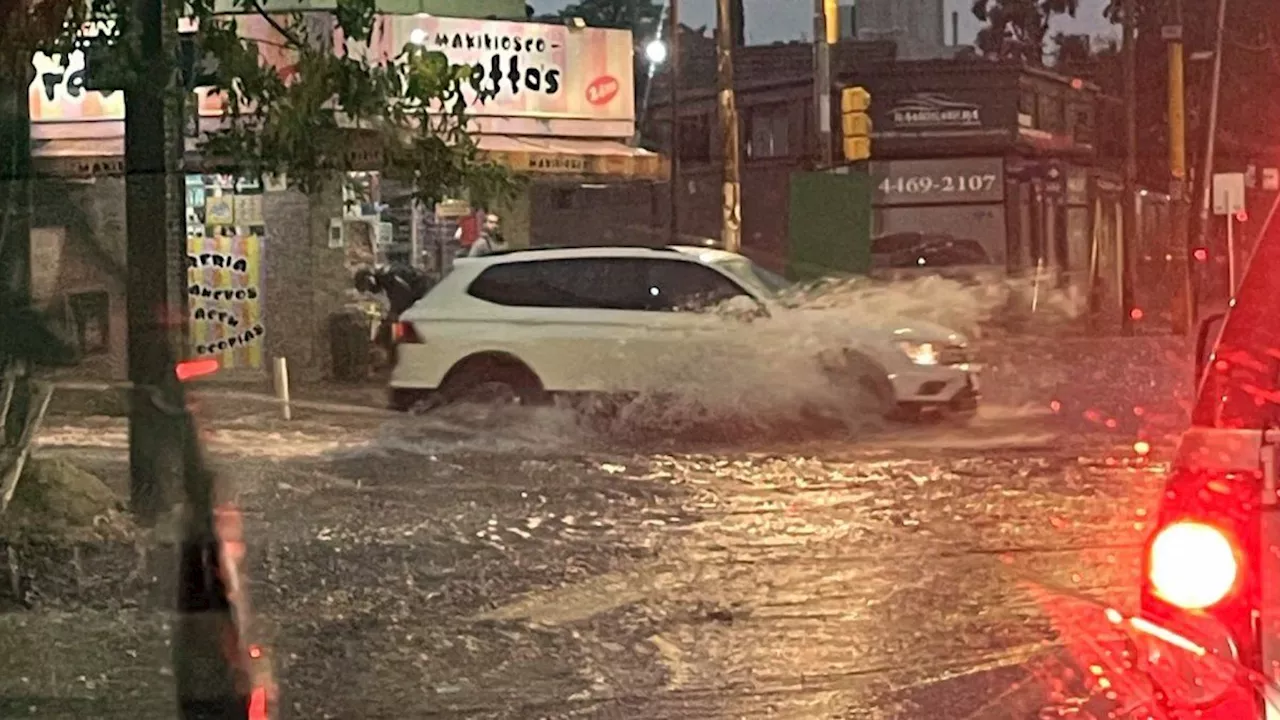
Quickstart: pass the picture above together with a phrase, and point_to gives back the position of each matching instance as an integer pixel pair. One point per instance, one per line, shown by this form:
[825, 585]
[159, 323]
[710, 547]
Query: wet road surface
[410, 568]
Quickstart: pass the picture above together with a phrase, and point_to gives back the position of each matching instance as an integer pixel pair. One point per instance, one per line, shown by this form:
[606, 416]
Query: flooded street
[405, 571]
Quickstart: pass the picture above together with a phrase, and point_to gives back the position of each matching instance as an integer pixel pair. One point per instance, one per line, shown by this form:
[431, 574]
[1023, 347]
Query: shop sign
[936, 182]
[521, 69]
[935, 110]
[939, 110]
[57, 94]
[224, 280]
[558, 163]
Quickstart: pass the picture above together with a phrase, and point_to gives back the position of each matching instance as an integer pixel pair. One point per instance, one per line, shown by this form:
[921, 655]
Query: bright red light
[1242, 216]
[189, 369]
[1076, 83]
[1193, 565]
[1200, 254]
[258, 704]
[1136, 313]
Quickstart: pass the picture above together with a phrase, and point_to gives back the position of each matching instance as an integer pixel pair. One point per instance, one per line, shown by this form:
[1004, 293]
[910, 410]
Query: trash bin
[350, 345]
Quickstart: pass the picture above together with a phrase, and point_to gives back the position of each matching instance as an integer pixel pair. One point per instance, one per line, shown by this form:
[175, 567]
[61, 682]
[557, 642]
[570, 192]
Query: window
[676, 285]
[769, 131]
[90, 316]
[1050, 114]
[658, 136]
[605, 284]
[598, 283]
[695, 138]
[1027, 108]
[1082, 123]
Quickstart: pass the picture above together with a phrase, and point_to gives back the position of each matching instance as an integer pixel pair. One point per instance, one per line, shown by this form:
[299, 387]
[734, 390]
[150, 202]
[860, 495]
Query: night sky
[773, 20]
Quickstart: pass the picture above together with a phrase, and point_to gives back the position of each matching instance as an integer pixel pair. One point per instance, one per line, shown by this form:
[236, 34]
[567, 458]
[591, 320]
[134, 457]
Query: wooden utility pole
[1128, 248]
[673, 81]
[1205, 176]
[824, 34]
[155, 251]
[731, 193]
[1184, 311]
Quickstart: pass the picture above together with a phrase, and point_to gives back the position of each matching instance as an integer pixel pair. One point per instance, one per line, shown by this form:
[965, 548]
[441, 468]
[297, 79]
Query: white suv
[633, 320]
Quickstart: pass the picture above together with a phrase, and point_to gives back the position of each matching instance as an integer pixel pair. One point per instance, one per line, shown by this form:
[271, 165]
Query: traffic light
[855, 123]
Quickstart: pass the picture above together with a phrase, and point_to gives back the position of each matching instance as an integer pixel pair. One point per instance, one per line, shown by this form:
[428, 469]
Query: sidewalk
[91, 396]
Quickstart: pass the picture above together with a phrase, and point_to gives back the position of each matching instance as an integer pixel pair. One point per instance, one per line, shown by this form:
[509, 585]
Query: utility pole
[16, 75]
[1205, 176]
[731, 205]
[825, 33]
[673, 80]
[156, 263]
[1184, 312]
[1130, 209]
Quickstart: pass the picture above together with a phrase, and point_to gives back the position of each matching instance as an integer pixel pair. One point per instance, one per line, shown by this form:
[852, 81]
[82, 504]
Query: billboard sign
[522, 69]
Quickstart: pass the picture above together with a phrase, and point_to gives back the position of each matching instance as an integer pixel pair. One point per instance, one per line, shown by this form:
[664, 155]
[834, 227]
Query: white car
[616, 320]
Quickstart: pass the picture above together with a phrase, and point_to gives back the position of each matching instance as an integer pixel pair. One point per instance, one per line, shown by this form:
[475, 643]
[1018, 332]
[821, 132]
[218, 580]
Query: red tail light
[1193, 565]
[258, 704]
[403, 332]
[190, 369]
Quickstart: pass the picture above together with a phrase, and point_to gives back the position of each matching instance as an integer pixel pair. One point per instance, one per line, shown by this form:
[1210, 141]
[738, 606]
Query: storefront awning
[78, 157]
[89, 157]
[566, 156]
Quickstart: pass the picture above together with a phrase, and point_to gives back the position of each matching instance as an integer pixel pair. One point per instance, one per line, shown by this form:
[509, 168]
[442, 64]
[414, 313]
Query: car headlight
[921, 353]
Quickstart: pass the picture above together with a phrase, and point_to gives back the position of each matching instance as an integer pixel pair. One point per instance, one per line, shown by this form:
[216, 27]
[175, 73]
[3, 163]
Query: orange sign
[522, 69]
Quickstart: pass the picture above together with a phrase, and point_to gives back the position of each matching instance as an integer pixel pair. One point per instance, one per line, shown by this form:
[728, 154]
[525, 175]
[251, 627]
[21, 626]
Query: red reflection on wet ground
[1125, 672]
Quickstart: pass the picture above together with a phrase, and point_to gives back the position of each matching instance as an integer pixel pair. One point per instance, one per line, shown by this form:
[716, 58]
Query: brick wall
[78, 245]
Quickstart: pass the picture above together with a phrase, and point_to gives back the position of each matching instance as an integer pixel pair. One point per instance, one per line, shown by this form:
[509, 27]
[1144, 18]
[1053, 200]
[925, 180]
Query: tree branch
[275, 25]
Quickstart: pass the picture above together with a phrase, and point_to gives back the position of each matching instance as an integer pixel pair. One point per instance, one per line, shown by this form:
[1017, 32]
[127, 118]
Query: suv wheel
[491, 380]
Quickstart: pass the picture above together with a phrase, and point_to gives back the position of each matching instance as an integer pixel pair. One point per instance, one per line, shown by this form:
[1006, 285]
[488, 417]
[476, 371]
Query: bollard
[282, 387]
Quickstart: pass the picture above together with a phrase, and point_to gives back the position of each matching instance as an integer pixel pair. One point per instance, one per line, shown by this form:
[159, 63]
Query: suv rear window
[604, 284]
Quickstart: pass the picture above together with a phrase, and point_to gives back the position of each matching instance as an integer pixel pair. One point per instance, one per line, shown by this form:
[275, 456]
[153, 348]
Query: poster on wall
[224, 287]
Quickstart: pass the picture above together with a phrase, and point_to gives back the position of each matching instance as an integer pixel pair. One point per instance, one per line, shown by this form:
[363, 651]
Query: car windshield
[764, 282]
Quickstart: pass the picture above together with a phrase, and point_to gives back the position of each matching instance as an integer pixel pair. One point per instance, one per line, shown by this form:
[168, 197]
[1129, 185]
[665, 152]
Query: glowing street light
[656, 51]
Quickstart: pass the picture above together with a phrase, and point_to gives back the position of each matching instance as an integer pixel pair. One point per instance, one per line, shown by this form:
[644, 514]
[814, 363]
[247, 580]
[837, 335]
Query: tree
[641, 17]
[1016, 29]
[1074, 52]
[294, 94]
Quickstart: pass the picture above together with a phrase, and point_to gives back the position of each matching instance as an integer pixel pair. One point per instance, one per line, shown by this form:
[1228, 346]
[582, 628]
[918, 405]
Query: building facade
[267, 267]
[1014, 164]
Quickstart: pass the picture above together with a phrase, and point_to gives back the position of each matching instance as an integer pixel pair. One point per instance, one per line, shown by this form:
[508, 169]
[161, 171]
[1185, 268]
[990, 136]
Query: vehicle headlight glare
[921, 353]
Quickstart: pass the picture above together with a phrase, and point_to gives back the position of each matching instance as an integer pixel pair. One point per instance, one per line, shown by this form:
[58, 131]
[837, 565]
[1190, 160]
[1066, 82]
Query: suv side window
[596, 283]
[679, 285]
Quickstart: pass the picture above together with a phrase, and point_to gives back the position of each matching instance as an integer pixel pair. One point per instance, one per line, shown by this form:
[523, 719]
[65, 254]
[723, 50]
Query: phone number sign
[937, 182]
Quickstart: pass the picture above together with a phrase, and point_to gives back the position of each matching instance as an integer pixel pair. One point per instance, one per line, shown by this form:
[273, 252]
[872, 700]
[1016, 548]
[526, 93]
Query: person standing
[490, 240]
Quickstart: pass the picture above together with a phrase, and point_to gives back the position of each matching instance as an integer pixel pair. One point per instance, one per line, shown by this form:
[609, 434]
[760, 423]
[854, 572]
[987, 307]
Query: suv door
[606, 324]
[563, 317]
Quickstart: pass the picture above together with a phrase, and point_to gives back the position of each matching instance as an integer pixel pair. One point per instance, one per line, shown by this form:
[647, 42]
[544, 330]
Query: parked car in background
[911, 254]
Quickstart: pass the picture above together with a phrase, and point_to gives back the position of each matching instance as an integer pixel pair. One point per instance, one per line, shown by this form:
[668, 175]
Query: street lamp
[656, 52]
